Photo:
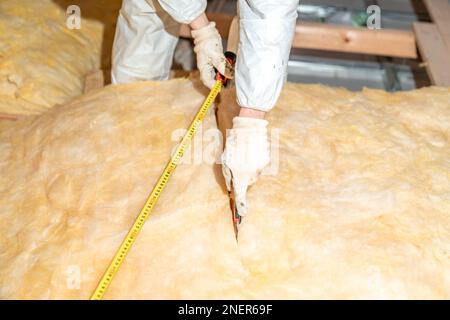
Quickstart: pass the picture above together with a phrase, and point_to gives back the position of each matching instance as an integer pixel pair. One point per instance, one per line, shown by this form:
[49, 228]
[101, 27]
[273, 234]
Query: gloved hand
[209, 50]
[245, 156]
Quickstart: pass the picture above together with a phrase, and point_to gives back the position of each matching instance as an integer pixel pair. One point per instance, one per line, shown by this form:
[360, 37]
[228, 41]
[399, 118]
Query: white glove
[245, 156]
[209, 50]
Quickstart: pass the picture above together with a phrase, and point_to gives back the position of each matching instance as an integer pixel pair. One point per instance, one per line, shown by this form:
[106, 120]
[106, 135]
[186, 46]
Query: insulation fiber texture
[42, 61]
[359, 207]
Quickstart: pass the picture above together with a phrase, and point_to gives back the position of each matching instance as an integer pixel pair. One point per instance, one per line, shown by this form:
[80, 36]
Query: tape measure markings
[127, 243]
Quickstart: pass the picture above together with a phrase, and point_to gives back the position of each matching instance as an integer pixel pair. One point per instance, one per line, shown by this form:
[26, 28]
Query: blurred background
[349, 70]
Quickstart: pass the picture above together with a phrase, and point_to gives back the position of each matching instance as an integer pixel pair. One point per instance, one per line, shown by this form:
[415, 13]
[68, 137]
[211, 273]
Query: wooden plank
[434, 52]
[439, 11]
[233, 36]
[385, 42]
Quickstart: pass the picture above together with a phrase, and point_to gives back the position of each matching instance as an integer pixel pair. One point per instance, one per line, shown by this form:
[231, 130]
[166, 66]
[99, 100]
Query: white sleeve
[266, 32]
[183, 11]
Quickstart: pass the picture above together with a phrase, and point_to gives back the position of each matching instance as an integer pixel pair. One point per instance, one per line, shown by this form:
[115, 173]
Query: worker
[147, 33]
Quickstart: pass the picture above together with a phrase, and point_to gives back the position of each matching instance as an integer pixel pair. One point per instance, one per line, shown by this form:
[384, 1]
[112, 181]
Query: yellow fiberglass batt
[358, 208]
[42, 61]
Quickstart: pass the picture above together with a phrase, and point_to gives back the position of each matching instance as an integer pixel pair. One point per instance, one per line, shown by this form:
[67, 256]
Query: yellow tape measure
[154, 196]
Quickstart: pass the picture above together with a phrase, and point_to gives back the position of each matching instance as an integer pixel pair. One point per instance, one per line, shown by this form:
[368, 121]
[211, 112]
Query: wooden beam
[434, 52]
[439, 11]
[233, 36]
[386, 42]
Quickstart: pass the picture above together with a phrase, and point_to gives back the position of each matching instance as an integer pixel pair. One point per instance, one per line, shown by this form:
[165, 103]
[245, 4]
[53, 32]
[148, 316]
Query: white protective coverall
[266, 31]
[146, 36]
